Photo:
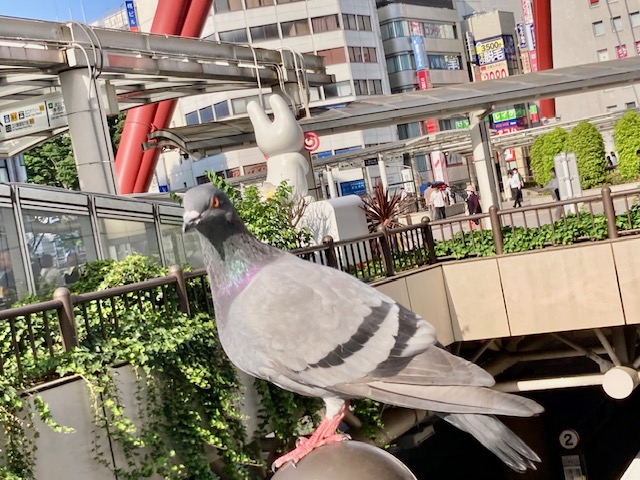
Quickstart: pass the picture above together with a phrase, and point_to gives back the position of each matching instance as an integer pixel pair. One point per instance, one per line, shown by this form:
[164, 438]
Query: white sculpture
[281, 140]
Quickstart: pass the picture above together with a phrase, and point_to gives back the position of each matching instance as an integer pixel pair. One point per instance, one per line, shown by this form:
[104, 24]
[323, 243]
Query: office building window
[234, 36]
[206, 114]
[616, 24]
[282, 2]
[439, 30]
[340, 89]
[375, 87]
[239, 105]
[349, 21]
[333, 56]
[4, 171]
[360, 87]
[327, 23]
[368, 87]
[399, 63]
[369, 55]
[445, 62]
[295, 28]
[634, 18]
[258, 3]
[364, 23]
[264, 32]
[611, 108]
[629, 105]
[192, 118]
[222, 6]
[409, 130]
[395, 29]
[603, 55]
[355, 54]
[598, 28]
[221, 109]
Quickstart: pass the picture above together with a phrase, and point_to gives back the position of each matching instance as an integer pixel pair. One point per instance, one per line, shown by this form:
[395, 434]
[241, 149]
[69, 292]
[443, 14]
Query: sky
[59, 10]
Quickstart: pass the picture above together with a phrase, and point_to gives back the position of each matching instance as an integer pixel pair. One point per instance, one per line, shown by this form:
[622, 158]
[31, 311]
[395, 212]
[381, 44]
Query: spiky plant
[383, 208]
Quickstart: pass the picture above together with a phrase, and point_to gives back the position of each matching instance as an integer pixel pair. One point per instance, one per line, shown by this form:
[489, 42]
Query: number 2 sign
[569, 439]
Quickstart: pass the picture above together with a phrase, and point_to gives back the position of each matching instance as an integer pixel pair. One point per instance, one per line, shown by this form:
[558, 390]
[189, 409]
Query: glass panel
[295, 28]
[325, 24]
[340, 89]
[598, 28]
[192, 118]
[234, 36]
[121, 238]
[13, 282]
[206, 114]
[180, 248]
[264, 32]
[58, 243]
[221, 109]
[635, 19]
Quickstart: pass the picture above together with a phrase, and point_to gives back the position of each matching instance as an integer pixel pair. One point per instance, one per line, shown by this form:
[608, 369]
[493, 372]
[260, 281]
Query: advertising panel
[522, 39]
[490, 50]
[424, 80]
[131, 15]
[621, 51]
[439, 167]
[417, 45]
[494, 71]
[28, 118]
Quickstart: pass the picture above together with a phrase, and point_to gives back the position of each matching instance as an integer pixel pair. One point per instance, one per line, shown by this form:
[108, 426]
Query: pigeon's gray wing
[320, 327]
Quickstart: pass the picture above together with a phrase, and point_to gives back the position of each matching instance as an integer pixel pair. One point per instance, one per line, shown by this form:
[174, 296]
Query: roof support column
[483, 161]
[383, 173]
[89, 131]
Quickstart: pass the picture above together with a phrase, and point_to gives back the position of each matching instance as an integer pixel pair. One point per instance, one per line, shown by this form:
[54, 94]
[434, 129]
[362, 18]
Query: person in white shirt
[515, 184]
[438, 202]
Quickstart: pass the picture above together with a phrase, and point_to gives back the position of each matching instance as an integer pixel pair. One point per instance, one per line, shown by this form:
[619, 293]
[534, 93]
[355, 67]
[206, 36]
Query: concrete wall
[554, 290]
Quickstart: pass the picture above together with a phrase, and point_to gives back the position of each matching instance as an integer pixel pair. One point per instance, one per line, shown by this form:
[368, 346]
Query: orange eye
[215, 202]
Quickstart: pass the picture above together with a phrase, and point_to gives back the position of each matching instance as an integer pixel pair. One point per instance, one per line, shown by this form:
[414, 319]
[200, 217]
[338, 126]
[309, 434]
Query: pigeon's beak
[190, 220]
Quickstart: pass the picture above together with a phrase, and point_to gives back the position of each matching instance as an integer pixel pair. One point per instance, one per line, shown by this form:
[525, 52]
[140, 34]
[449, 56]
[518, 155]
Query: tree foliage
[586, 142]
[273, 218]
[544, 148]
[52, 163]
[626, 134]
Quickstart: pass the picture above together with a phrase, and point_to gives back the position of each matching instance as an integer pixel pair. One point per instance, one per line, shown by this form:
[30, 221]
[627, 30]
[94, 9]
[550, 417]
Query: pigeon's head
[205, 206]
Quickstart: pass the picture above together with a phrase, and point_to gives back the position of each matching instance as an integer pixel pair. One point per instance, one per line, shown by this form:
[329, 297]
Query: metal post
[609, 212]
[427, 238]
[496, 228]
[385, 245]
[66, 318]
[483, 160]
[330, 252]
[383, 173]
[181, 288]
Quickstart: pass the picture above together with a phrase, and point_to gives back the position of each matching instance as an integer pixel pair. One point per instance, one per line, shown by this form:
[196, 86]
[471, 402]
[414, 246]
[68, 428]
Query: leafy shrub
[626, 134]
[544, 148]
[586, 142]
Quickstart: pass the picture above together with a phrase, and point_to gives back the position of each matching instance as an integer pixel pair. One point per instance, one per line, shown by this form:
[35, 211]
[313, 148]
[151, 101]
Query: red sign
[621, 50]
[494, 70]
[513, 129]
[424, 80]
[432, 125]
[255, 168]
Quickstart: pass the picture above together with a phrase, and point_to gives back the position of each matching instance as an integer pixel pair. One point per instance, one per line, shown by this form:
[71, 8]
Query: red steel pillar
[192, 27]
[168, 20]
[544, 50]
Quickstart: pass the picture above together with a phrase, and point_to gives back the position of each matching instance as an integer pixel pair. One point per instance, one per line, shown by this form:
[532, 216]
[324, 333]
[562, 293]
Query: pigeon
[320, 332]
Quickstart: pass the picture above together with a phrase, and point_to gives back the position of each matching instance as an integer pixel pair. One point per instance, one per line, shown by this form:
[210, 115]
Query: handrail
[30, 309]
[122, 289]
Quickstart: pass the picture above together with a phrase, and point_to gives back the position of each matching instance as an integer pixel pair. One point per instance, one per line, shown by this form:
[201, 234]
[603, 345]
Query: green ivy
[626, 134]
[586, 142]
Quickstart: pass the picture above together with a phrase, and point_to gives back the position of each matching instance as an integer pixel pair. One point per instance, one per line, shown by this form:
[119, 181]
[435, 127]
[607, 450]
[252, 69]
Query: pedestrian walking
[516, 184]
[473, 206]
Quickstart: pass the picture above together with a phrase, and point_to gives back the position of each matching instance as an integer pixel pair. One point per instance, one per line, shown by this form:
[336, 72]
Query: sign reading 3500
[490, 50]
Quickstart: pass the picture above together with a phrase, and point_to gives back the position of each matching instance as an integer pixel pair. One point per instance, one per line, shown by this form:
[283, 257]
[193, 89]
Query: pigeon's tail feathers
[447, 398]
[497, 438]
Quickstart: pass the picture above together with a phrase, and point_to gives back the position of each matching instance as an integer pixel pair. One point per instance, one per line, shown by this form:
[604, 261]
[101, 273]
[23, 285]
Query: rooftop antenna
[84, 17]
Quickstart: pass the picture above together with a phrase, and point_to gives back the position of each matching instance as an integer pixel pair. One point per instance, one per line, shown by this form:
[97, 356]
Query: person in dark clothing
[473, 206]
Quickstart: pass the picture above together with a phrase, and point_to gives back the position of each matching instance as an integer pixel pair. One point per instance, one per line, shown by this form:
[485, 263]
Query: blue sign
[522, 39]
[131, 15]
[417, 43]
[355, 187]
[163, 188]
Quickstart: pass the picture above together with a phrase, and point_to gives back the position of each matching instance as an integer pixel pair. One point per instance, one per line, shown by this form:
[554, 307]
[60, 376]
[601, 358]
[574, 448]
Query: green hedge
[586, 142]
[626, 134]
[541, 154]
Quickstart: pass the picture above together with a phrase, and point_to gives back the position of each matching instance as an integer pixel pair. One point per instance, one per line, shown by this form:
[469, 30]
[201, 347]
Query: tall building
[599, 30]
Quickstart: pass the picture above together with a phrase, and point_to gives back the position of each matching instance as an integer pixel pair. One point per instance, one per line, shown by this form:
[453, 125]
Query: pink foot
[305, 446]
[325, 433]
